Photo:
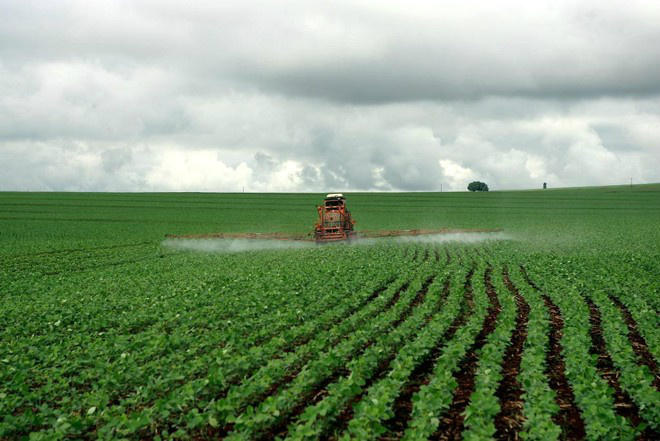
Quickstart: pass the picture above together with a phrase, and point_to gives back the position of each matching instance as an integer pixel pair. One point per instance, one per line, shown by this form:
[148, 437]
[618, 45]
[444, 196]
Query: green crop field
[548, 329]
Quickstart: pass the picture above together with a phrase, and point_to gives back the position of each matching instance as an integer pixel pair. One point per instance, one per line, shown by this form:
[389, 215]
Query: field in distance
[546, 330]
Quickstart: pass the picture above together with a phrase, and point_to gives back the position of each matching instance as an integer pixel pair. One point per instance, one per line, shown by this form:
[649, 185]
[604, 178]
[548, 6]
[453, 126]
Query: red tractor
[335, 223]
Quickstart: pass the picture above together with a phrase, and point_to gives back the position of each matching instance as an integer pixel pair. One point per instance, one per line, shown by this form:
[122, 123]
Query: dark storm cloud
[377, 53]
[358, 53]
[297, 96]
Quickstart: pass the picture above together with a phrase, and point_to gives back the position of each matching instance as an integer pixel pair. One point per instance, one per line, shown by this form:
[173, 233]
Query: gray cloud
[293, 96]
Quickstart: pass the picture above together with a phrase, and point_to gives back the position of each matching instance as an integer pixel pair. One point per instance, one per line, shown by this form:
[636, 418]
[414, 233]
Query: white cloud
[535, 167]
[284, 177]
[196, 170]
[299, 96]
[456, 174]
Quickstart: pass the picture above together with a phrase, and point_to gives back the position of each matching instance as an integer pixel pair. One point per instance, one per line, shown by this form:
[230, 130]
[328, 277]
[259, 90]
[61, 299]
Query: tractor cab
[335, 201]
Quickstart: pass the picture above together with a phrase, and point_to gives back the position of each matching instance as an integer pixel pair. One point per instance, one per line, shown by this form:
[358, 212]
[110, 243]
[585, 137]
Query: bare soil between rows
[569, 417]
[623, 403]
[421, 375]
[510, 419]
[638, 343]
[453, 421]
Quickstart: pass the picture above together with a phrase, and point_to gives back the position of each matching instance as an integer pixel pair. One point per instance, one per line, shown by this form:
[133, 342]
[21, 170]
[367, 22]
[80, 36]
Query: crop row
[388, 341]
[603, 398]
[179, 339]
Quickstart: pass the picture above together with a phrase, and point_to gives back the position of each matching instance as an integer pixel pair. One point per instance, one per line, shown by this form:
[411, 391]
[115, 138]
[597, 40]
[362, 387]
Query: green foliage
[539, 399]
[484, 404]
[477, 186]
[106, 333]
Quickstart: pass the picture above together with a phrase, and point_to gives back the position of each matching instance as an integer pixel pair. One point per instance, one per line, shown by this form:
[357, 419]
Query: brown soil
[403, 405]
[638, 343]
[346, 413]
[568, 417]
[218, 433]
[320, 392]
[266, 339]
[419, 298]
[292, 347]
[288, 348]
[279, 430]
[452, 423]
[396, 296]
[509, 420]
[309, 236]
[290, 377]
[376, 293]
[623, 404]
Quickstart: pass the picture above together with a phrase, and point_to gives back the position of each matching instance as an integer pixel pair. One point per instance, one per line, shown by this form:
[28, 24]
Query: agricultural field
[547, 329]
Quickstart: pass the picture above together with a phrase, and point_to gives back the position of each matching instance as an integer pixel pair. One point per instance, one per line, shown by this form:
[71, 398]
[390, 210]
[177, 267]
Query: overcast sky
[327, 96]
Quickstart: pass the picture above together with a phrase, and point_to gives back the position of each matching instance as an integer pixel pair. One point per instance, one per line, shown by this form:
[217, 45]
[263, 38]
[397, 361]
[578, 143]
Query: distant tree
[477, 186]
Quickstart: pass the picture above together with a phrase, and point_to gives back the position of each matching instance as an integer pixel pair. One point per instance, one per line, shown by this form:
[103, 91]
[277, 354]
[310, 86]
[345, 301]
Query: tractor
[335, 223]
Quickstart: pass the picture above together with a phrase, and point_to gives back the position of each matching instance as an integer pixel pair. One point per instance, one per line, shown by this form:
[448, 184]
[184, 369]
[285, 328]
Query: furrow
[452, 422]
[568, 417]
[509, 420]
[419, 298]
[295, 370]
[623, 404]
[291, 347]
[281, 427]
[638, 343]
[374, 369]
[274, 413]
[403, 404]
